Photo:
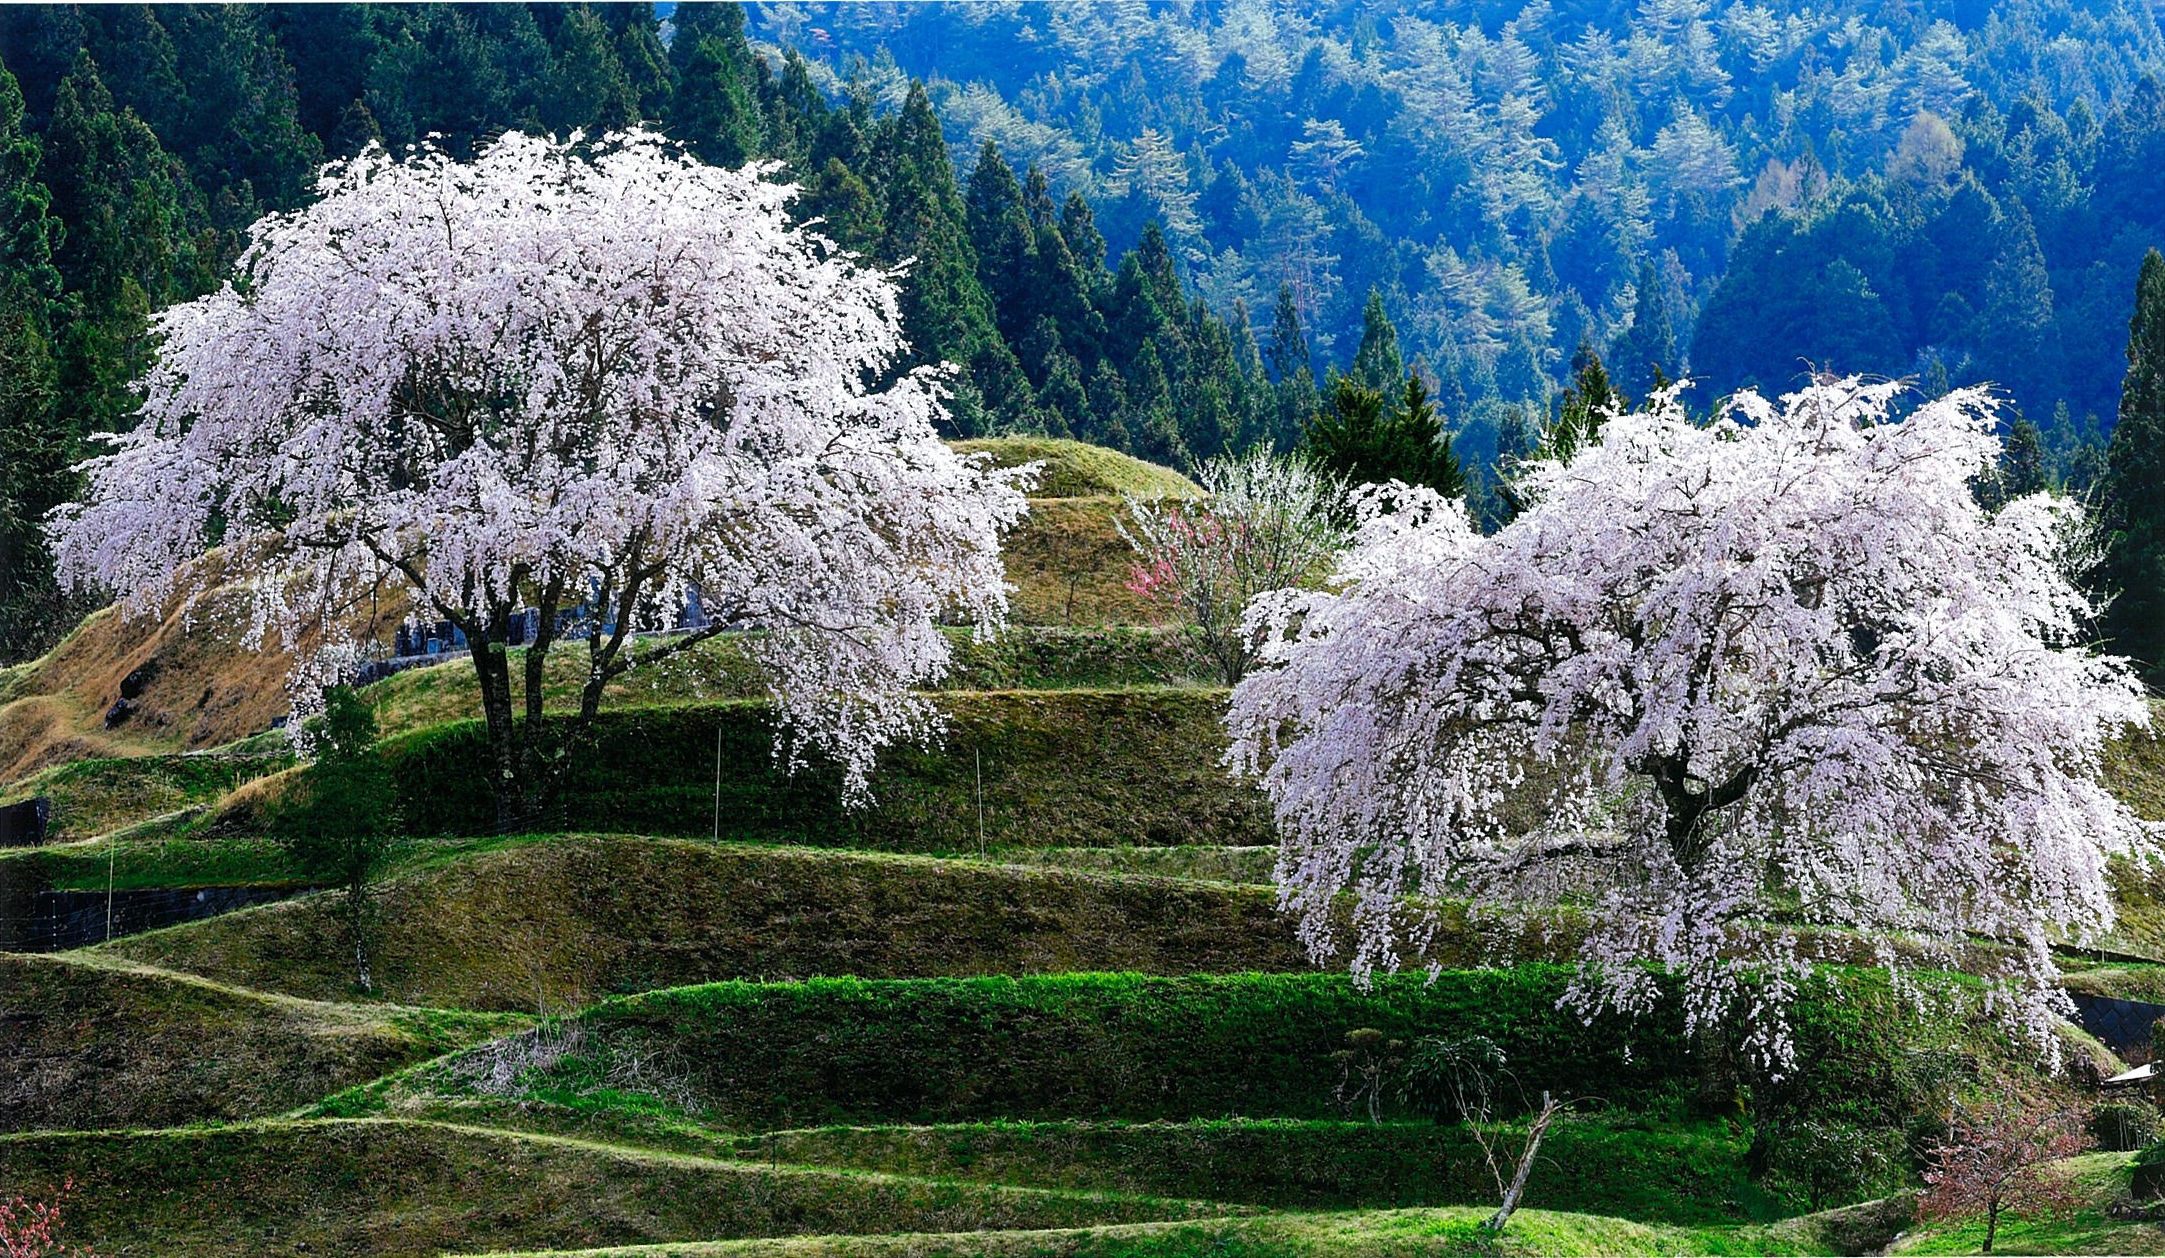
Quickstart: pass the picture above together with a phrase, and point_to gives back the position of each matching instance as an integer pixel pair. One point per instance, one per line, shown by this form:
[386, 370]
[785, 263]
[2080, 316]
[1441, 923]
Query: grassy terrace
[1079, 1026]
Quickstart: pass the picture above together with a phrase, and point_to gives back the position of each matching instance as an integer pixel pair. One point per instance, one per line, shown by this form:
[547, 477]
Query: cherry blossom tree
[582, 377]
[1263, 523]
[1773, 673]
[1997, 1160]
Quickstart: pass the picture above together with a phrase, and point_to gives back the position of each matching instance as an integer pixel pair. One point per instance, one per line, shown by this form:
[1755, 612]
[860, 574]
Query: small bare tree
[1460, 1076]
[1993, 1163]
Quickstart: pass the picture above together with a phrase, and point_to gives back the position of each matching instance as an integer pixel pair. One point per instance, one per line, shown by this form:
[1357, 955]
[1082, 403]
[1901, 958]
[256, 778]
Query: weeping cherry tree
[1775, 673]
[585, 378]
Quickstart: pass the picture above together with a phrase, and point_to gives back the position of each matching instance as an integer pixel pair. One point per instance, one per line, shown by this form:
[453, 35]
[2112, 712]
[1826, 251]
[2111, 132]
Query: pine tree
[1362, 441]
[133, 222]
[945, 312]
[36, 449]
[2134, 565]
[1005, 241]
[586, 87]
[1295, 403]
[715, 109]
[1648, 350]
[2024, 467]
[1288, 343]
[1588, 400]
[1377, 364]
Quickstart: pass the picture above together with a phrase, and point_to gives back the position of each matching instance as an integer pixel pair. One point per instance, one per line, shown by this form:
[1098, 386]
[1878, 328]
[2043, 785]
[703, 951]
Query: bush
[2124, 1126]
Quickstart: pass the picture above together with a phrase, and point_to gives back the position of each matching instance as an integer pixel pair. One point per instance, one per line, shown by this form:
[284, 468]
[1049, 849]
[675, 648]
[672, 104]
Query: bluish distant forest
[1181, 229]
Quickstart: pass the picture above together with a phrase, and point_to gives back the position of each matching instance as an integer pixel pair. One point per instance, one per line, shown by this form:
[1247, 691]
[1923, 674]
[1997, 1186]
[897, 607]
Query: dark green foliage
[1056, 769]
[35, 448]
[1376, 364]
[2124, 1126]
[2024, 468]
[942, 1050]
[1361, 442]
[342, 827]
[2134, 566]
[586, 87]
[1647, 354]
[1204, 1047]
[1586, 402]
[1619, 1167]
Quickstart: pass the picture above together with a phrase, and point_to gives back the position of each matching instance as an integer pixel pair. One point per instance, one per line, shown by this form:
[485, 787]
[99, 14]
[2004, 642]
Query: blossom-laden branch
[566, 376]
[1781, 667]
[1263, 523]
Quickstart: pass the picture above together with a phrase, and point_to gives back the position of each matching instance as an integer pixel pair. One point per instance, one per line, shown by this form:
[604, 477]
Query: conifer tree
[715, 109]
[1294, 401]
[1005, 242]
[1648, 350]
[2024, 467]
[133, 222]
[36, 450]
[945, 312]
[1362, 440]
[586, 87]
[2134, 566]
[1377, 364]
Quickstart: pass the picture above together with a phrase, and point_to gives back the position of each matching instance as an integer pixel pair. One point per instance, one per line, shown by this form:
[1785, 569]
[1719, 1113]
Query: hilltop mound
[1077, 469]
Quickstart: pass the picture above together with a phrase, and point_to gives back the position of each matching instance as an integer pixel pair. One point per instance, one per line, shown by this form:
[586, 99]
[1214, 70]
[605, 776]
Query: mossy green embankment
[94, 797]
[1451, 1232]
[393, 1188]
[562, 922]
[753, 1057]
[99, 1043]
[1013, 768]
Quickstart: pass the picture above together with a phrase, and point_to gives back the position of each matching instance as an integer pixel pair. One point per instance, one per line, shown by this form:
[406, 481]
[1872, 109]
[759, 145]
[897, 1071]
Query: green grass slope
[103, 1044]
[762, 1057]
[564, 922]
[1077, 469]
[1692, 1174]
[1066, 768]
[91, 797]
[1450, 1232]
[394, 1188]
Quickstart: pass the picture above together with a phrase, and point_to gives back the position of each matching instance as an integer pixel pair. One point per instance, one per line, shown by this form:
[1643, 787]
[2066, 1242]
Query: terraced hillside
[1035, 999]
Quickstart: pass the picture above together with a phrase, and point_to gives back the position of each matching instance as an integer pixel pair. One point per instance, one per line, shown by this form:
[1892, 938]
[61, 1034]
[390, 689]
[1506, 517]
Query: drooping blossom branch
[573, 377]
[1778, 671]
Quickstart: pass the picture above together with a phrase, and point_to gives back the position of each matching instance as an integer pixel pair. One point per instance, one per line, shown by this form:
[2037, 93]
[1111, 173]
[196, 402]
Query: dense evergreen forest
[1166, 228]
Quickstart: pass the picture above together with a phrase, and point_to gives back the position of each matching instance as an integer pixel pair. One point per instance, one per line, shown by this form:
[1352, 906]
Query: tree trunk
[357, 930]
[1517, 1190]
[1992, 1225]
[492, 667]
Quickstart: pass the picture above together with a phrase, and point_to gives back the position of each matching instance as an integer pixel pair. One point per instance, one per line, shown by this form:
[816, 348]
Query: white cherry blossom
[565, 374]
[1772, 674]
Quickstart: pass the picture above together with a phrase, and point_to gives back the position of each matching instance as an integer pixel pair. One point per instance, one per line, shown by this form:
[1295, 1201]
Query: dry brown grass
[103, 1042]
[556, 924]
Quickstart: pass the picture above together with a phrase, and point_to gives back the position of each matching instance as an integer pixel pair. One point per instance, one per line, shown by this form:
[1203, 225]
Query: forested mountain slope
[1162, 227]
[1959, 191]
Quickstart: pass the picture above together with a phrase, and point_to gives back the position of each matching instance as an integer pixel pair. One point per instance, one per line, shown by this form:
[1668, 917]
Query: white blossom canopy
[599, 369]
[1774, 673]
